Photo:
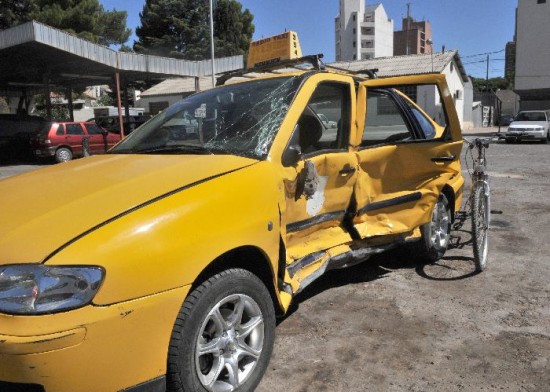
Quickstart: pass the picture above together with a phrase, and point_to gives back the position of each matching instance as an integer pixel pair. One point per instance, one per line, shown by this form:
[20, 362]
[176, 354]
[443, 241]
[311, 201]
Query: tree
[233, 28]
[494, 84]
[14, 12]
[180, 29]
[85, 18]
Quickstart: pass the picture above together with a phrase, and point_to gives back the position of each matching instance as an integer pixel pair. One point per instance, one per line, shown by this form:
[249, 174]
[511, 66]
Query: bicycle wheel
[480, 224]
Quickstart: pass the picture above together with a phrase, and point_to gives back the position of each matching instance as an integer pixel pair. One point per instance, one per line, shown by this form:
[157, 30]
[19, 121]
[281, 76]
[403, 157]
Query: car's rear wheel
[436, 234]
[223, 336]
[63, 154]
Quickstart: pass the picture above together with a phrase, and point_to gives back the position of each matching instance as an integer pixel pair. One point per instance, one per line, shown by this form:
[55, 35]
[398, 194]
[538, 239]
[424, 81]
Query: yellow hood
[43, 210]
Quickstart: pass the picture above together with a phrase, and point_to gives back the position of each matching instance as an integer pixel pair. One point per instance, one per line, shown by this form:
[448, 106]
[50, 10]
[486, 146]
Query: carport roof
[34, 55]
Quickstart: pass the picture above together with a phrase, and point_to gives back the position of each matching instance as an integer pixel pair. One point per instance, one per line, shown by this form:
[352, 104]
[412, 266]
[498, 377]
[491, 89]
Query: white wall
[383, 32]
[533, 45]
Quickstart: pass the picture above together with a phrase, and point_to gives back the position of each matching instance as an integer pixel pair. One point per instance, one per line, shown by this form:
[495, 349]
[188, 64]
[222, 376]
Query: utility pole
[487, 76]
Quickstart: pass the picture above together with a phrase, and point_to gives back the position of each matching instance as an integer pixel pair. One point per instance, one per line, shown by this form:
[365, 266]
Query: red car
[65, 140]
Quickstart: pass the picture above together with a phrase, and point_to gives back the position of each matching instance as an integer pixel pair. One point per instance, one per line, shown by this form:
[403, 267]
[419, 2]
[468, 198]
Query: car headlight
[37, 289]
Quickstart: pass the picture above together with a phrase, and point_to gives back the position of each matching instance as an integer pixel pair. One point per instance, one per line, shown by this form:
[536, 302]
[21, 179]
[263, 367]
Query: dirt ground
[390, 325]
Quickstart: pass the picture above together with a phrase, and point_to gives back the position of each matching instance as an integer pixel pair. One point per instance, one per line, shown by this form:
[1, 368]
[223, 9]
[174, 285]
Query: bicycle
[479, 201]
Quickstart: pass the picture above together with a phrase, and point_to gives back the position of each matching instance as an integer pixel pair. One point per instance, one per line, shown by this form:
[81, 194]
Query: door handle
[449, 158]
[347, 170]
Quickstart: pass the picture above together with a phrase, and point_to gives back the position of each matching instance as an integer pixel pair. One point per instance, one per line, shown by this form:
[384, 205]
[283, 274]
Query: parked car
[16, 131]
[66, 140]
[529, 125]
[111, 123]
[162, 264]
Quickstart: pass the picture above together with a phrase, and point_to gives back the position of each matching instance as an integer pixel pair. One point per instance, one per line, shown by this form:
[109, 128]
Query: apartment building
[415, 37]
[362, 31]
[532, 73]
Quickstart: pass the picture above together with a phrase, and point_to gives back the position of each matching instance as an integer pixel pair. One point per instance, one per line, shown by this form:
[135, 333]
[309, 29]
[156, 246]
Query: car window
[324, 124]
[94, 129]
[427, 128]
[60, 130]
[74, 129]
[240, 119]
[385, 122]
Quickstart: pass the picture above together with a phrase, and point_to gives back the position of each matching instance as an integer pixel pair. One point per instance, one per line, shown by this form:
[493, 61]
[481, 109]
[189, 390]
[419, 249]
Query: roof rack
[371, 73]
[314, 60]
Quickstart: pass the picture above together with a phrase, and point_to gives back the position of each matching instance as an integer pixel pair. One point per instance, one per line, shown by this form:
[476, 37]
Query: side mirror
[293, 151]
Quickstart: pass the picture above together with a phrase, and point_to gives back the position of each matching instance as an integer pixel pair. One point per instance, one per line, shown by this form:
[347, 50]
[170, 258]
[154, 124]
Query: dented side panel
[398, 186]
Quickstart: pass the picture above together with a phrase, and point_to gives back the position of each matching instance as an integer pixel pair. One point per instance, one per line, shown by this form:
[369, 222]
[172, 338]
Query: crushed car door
[319, 184]
[405, 157]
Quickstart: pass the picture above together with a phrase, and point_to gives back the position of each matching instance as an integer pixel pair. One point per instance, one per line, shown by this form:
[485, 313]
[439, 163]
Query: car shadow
[457, 264]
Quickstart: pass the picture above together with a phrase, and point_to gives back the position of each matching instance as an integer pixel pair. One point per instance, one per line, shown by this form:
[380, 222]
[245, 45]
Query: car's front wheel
[223, 336]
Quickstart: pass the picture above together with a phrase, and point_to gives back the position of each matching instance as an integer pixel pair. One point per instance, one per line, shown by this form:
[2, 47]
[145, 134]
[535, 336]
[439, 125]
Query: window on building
[354, 19]
[541, 1]
[354, 31]
[410, 91]
[354, 44]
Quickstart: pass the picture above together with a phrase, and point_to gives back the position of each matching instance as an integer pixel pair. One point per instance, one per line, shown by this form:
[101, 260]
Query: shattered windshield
[239, 119]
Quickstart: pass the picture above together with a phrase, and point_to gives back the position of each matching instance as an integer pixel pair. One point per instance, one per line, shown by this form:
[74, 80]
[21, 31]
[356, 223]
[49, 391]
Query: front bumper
[525, 135]
[96, 348]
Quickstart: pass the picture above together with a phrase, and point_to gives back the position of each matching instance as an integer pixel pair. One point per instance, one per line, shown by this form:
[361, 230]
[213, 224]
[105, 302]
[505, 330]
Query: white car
[530, 125]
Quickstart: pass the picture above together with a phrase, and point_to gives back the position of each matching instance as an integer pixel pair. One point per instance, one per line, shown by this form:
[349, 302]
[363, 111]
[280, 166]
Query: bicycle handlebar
[478, 142]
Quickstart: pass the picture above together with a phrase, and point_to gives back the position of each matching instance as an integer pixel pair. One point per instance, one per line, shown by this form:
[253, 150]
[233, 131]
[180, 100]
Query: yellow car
[162, 265]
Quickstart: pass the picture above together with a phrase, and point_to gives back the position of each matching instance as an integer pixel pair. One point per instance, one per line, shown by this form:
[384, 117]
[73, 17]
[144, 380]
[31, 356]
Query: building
[510, 61]
[532, 78]
[164, 94]
[362, 31]
[447, 63]
[415, 37]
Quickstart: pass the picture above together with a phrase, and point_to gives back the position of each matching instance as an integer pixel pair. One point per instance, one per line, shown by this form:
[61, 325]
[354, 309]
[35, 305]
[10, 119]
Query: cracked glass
[237, 119]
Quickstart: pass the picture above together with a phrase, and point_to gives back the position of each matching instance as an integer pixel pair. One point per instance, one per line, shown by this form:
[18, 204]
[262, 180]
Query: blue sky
[472, 26]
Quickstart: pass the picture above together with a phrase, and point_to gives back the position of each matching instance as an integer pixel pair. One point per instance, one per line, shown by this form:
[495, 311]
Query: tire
[436, 234]
[480, 226]
[63, 154]
[231, 318]
[546, 139]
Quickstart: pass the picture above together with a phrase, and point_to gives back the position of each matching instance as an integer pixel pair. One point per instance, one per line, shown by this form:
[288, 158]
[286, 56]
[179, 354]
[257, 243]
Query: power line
[482, 54]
